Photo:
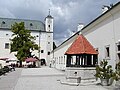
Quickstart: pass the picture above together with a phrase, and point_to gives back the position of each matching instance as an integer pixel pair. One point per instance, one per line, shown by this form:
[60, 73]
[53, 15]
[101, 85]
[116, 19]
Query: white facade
[103, 33]
[43, 34]
[58, 54]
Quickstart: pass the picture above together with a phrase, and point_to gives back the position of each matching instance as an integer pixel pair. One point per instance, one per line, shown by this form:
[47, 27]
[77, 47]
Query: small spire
[49, 11]
[49, 16]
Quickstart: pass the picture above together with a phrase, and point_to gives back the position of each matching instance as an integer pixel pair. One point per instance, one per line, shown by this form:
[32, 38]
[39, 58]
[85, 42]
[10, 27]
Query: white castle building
[42, 31]
[104, 35]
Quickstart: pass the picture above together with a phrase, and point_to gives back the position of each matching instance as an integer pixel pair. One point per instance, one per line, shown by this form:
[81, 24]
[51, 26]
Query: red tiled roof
[81, 46]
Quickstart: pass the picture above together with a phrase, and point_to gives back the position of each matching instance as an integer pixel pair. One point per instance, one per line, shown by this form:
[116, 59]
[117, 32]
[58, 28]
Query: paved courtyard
[44, 78]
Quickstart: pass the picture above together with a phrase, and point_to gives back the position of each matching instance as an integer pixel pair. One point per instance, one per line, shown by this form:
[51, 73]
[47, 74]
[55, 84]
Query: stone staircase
[76, 81]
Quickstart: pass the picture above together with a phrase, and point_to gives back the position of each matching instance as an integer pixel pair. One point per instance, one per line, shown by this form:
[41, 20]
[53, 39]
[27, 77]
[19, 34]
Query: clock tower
[49, 37]
[49, 23]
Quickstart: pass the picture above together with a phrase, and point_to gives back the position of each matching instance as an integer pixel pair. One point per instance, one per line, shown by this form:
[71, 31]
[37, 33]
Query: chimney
[80, 26]
[105, 8]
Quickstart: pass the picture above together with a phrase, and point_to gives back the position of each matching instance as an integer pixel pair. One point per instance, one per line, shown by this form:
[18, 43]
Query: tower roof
[81, 46]
[49, 16]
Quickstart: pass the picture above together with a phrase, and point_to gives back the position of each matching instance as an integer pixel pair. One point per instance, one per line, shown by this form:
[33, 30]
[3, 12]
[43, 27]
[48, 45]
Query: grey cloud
[67, 13]
[78, 11]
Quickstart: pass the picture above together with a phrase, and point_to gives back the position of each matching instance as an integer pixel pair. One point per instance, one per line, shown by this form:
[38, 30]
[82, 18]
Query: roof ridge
[21, 19]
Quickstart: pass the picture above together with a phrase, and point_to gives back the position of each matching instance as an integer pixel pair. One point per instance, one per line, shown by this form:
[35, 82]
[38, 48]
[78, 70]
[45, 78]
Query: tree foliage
[104, 71]
[22, 42]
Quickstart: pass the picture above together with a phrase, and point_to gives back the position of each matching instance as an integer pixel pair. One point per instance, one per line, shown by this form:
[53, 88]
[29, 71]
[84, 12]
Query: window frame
[118, 50]
[7, 45]
[42, 51]
[48, 53]
[107, 52]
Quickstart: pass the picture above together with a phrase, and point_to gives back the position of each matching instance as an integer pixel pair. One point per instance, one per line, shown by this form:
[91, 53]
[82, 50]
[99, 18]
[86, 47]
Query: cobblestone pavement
[47, 79]
[8, 81]
[44, 78]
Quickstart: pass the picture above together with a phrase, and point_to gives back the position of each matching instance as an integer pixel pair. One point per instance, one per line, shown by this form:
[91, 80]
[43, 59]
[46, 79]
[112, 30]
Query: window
[37, 36]
[118, 51]
[3, 22]
[118, 56]
[59, 60]
[31, 24]
[42, 51]
[6, 45]
[118, 46]
[48, 53]
[48, 42]
[64, 60]
[107, 50]
[49, 26]
[6, 34]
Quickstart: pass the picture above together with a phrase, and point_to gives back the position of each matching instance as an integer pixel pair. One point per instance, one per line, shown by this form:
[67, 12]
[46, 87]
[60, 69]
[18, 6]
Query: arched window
[49, 26]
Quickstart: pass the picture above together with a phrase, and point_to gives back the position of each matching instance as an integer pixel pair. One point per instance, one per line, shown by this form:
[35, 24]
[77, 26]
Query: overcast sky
[67, 13]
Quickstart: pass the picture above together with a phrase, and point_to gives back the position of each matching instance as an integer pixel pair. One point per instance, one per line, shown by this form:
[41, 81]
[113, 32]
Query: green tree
[22, 42]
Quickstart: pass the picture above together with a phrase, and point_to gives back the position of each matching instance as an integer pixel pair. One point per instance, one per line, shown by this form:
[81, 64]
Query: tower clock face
[49, 21]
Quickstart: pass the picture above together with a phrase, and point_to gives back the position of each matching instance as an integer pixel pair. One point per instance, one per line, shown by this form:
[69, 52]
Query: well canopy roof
[81, 46]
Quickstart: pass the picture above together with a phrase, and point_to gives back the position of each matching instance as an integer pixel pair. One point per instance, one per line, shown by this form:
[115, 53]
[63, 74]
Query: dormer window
[6, 34]
[3, 22]
[31, 24]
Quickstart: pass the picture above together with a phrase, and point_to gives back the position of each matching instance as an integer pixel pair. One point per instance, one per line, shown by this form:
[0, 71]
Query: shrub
[104, 71]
